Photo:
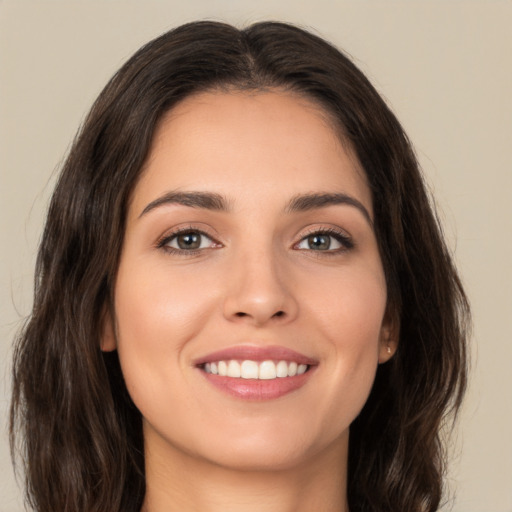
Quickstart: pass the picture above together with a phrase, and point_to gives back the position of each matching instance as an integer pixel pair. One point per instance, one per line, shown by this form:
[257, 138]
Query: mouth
[256, 373]
[248, 369]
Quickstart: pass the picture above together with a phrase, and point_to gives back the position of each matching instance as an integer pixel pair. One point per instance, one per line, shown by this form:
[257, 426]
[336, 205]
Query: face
[250, 296]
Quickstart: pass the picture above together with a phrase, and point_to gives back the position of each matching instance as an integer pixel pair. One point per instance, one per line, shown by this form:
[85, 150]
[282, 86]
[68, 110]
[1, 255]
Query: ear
[108, 341]
[389, 334]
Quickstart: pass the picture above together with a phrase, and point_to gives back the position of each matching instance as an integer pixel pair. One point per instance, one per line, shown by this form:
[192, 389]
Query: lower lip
[256, 389]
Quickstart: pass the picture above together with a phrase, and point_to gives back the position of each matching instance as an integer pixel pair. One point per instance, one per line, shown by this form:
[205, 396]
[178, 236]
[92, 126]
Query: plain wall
[445, 67]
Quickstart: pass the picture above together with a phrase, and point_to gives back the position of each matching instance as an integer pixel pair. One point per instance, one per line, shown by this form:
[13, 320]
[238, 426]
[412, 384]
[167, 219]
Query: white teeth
[301, 369]
[247, 369]
[267, 370]
[233, 369]
[223, 368]
[282, 369]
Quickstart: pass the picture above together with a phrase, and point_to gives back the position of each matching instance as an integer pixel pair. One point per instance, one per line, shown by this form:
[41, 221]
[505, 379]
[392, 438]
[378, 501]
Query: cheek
[351, 308]
[349, 316]
[157, 316]
[153, 307]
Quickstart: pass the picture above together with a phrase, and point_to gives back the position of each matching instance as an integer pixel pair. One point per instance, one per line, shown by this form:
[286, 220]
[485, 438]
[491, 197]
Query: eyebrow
[202, 200]
[305, 202]
[216, 202]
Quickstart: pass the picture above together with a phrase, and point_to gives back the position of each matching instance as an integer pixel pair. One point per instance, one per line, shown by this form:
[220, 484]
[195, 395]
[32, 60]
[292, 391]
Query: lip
[255, 389]
[256, 353]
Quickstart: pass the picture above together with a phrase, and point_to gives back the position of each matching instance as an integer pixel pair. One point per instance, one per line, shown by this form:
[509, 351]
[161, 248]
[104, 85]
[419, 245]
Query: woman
[243, 298]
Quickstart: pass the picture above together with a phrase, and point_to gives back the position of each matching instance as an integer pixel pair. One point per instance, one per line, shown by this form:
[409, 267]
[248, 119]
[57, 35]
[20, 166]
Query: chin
[275, 450]
[260, 458]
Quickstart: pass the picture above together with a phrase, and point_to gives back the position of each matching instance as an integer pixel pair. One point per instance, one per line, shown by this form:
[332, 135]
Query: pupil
[189, 241]
[319, 242]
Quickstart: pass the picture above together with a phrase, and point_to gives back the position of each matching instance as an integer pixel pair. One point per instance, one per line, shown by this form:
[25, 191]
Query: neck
[187, 484]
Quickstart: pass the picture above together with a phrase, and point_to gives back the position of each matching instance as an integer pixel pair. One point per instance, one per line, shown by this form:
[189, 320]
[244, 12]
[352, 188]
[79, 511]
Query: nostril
[241, 314]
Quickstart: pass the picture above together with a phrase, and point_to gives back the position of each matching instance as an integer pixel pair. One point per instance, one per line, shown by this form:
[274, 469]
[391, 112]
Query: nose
[259, 292]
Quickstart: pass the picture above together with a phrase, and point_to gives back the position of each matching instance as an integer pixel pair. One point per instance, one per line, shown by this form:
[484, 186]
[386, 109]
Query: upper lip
[255, 353]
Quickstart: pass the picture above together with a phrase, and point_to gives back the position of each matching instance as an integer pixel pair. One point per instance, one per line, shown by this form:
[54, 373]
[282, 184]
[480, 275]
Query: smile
[256, 373]
[261, 370]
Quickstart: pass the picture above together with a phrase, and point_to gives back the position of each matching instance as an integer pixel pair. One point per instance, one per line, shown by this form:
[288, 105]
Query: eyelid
[162, 242]
[339, 234]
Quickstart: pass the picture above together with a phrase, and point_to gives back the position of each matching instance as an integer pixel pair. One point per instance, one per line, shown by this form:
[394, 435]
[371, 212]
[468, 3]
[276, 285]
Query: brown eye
[188, 241]
[319, 242]
[331, 242]
[322, 242]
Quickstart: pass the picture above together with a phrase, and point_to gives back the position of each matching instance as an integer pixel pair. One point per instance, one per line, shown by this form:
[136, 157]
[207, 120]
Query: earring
[389, 349]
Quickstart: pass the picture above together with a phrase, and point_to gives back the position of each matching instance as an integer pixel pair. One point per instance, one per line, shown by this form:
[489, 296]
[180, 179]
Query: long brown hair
[72, 420]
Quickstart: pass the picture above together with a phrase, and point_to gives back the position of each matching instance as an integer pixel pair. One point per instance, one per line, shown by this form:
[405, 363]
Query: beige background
[444, 66]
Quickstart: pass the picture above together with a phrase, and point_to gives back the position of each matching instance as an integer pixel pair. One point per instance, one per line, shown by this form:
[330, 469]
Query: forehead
[235, 142]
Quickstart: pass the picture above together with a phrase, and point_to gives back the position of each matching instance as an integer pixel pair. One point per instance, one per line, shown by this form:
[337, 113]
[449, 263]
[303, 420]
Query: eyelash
[341, 237]
[162, 243]
[344, 240]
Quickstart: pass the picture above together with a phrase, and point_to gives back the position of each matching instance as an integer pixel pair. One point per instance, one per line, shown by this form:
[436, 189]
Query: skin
[255, 280]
